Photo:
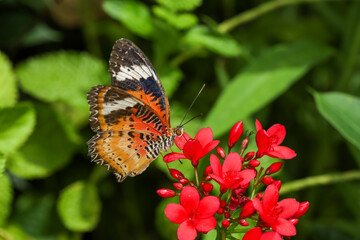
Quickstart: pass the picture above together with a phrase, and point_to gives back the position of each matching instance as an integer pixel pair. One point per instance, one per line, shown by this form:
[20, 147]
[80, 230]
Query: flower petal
[258, 125]
[206, 224]
[208, 206]
[189, 198]
[270, 197]
[186, 231]
[232, 163]
[215, 165]
[262, 140]
[170, 157]
[281, 152]
[271, 236]
[210, 146]
[204, 136]
[218, 179]
[277, 131]
[176, 213]
[247, 175]
[258, 206]
[193, 150]
[284, 227]
[253, 234]
[289, 207]
[180, 141]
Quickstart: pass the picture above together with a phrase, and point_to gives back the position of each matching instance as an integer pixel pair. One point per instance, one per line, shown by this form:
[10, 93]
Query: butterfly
[131, 117]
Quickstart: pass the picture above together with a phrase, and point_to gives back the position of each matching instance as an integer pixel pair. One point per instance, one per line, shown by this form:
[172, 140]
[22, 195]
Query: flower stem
[197, 177]
[258, 11]
[223, 234]
[325, 179]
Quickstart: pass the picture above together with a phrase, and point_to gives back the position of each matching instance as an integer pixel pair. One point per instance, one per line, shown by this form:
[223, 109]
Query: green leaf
[40, 34]
[180, 5]
[2, 163]
[170, 77]
[267, 77]
[62, 76]
[47, 150]
[134, 15]
[8, 90]
[6, 195]
[16, 125]
[216, 42]
[79, 206]
[342, 111]
[180, 21]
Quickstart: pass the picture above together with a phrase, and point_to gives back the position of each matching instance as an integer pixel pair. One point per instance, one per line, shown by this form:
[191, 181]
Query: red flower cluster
[234, 172]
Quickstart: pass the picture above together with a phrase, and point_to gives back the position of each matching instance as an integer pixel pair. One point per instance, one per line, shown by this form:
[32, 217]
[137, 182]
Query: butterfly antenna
[191, 119]
[191, 106]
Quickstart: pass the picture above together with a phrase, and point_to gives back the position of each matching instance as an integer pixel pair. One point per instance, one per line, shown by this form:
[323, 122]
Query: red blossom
[275, 214]
[166, 193]
[193, 149]
[268, 142]
[257, 234]
[230, 175]
[193, 215]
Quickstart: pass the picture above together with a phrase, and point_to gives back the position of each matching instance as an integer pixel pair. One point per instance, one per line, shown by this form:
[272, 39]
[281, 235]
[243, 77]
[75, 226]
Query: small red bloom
[230, 175]
[268, 142]
[274, 213]
[193, 215]
[267, 180]
[257, 234]
[225, 223]
[193, 149]
[235, 133]
[166, 193]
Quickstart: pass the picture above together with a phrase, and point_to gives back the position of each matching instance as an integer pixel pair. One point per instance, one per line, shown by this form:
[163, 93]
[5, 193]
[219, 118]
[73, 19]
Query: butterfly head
[179, 130]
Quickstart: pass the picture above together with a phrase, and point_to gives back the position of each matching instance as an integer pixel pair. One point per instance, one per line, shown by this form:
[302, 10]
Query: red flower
[193, 149]
[268, 142]
[275, 214]
[256, 234]
[193, 214]
[230, 175]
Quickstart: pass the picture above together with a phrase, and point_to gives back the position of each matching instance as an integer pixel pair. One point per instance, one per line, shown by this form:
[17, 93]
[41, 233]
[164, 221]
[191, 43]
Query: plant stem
[197, 177]
[223, 234]
[325, 179]
[258, 11]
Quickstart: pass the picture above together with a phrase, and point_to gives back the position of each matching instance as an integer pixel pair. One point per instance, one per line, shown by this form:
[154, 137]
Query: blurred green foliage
[294, 62]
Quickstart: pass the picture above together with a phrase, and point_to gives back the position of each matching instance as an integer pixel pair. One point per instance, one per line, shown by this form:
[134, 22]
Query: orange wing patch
[126, 153]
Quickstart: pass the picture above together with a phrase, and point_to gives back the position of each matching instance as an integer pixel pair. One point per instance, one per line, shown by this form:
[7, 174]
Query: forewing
[132, 71]
[113, 109]
[126, 153]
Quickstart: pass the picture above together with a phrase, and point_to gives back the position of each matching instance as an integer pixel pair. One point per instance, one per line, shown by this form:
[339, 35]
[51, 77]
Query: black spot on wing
[153, 89]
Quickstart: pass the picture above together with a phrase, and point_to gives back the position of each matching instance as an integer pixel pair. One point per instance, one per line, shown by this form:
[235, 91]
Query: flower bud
[184, 181]
[227, 215]
[293, 221]
[166, 193]
[207, 171]
[245, 143]
[220, 152]
[247, 210]
[243, 222]
[208, 178]
[303, 207]
[225, 223]
[176, 173]
[259, 195]
[249, 156]
[223, 190]
[207, 187]
[273, 168]
[267, 180]
[220, 211]
[235, 133]
[259, 154]
[222, 203]
[277, 184]
[254, 163]
[178, 186]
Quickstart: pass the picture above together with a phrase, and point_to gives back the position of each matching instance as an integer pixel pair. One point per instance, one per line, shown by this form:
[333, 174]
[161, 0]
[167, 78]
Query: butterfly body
[131, 118]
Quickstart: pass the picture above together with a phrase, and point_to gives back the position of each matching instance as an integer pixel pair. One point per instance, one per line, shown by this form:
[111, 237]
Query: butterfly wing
[132, 71]
[128, 131]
